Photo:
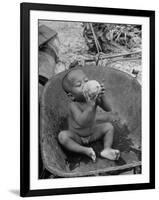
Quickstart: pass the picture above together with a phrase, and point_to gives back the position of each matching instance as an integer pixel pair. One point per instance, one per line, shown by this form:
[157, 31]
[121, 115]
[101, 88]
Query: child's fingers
[102, 92]
[102, 89]
[102, 85]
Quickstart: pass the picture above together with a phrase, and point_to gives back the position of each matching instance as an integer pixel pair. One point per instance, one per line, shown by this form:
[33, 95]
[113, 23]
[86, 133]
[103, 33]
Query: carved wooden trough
[124, 93]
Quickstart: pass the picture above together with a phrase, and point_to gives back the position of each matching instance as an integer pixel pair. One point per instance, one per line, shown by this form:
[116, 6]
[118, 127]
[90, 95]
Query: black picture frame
[25, 9]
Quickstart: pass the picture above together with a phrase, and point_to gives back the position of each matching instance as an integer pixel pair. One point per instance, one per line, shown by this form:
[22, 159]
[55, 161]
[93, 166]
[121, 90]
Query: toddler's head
[73, 83]
[77, 85]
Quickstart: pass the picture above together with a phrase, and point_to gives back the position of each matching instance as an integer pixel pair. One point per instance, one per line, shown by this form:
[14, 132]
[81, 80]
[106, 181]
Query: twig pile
[112, 35]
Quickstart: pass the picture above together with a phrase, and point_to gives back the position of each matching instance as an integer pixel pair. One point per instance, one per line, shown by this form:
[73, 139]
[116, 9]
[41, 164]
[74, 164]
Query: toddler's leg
[106, 130]
[108, 152]
[72, 142]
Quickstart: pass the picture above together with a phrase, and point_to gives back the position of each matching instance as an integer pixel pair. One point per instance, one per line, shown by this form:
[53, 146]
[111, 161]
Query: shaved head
[67, 82]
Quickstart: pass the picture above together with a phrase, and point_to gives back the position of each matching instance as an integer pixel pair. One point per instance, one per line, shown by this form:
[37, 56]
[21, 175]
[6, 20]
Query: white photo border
[36, 183]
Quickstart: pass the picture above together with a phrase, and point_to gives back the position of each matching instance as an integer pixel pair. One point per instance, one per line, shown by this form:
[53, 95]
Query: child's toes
[117, 154]
[93, 157]
[110, 154]
[92, 154]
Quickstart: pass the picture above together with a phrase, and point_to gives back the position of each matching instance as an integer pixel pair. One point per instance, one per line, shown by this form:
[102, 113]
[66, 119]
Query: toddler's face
[78, 78]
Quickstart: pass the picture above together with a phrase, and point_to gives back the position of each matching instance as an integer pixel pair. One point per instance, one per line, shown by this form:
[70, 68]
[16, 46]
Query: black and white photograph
[90, 99]
[87, 107]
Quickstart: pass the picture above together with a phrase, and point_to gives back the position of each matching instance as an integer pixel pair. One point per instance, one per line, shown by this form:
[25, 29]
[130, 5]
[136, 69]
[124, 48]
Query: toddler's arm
[103, 102]
[85, 117]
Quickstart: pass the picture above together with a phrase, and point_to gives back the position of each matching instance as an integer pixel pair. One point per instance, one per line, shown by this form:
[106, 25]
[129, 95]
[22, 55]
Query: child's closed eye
[78, 84]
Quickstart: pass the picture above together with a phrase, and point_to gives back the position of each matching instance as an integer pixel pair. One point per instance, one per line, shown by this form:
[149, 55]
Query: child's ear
[70, 96]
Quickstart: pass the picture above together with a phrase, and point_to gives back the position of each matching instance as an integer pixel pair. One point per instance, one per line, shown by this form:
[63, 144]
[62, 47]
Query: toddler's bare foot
[111, 154]
[90, 153]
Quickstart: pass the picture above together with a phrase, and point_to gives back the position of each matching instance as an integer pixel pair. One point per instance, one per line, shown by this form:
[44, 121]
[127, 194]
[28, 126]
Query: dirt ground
[73, 47]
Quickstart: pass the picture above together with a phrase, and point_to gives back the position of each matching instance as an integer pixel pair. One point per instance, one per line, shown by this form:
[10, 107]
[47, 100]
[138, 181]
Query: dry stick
[113, 56]
[124, 59]
[96, 43]
[95, 39]
[119, 55]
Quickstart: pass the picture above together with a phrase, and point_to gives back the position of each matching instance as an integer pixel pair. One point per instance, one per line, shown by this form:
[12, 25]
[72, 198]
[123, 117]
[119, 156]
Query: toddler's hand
[101, 93]
[102, 90]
